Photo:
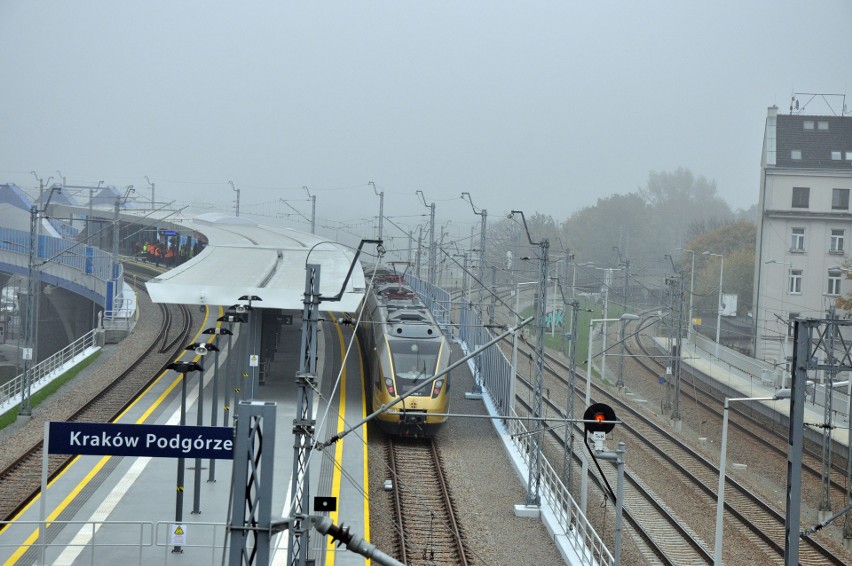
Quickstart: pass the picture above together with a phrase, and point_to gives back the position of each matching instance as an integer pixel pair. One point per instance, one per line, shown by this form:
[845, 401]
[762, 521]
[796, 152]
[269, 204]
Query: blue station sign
[157, 441]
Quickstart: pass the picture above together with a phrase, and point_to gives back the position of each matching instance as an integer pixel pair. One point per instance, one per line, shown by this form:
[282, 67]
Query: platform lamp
[231, 319]
[253, 357]
[202, 349]
[215, 331]
[182, 368]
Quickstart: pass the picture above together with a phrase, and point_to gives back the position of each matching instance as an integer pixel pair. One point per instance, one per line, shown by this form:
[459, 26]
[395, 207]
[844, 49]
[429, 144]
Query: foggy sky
[539, 106]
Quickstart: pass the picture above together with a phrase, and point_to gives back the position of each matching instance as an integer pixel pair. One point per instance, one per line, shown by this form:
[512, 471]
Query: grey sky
[542, 106]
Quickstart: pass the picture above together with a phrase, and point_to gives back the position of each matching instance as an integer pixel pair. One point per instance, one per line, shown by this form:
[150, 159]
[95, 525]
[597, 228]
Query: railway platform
[741, 382]
[122, 510]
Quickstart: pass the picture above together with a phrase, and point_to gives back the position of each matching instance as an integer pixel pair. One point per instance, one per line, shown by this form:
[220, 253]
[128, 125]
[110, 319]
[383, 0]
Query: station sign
[156, 441]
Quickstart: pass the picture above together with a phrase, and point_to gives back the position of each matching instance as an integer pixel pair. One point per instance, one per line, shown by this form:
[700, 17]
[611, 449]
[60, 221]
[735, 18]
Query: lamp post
[607, 278]
[182, 368]
[720, 497]
[719, 309]
[230, 318]
[584, 473]
[215, 331]
[202, 349]
[691, 290]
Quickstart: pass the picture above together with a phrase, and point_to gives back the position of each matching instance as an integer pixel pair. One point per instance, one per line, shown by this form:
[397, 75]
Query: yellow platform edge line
[28, 542]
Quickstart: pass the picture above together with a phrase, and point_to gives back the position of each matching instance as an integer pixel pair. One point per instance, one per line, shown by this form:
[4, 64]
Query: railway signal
[599, 417]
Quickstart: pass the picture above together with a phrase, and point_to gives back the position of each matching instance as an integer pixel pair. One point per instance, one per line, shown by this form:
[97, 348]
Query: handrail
[48, 366]
[494, 371]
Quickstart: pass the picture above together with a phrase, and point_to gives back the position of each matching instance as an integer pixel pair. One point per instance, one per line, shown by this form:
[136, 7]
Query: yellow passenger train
[404, 347]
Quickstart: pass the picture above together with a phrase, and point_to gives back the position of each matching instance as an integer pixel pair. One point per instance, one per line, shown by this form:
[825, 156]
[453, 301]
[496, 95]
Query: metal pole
[199, 421]
[304, 423]
[534, 479]
[802, 336]
[226, 406]
[432, 257]
[607, 279]
[720, 491]
[584, 471]
[180, 463]
[691, 293]
[619, 502]
[567, 467]
[719, 311]
[211, 466]
[25, 409]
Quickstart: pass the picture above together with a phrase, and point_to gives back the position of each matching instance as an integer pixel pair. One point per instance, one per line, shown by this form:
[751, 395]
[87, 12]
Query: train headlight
[436, 388]
[389, 385]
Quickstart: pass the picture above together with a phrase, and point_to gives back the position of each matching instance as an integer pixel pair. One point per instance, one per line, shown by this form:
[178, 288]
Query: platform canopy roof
[246, 258]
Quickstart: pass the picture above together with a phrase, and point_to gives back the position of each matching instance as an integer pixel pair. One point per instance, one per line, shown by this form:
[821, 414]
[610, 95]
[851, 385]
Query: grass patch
[39, 396]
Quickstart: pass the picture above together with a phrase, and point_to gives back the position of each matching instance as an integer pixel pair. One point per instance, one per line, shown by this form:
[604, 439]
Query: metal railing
[93, 537]
[125, 542]
[86, 259]
[494, 372]
[48, 367]
[575, 526]
[436, 299]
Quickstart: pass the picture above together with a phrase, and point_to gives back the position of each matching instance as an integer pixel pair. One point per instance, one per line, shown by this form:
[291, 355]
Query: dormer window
[796, 154]
[835, 156]
[808, 124]
[822, 125]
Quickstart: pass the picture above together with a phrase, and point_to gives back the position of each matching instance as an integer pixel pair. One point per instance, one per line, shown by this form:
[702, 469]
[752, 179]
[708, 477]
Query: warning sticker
[177, 534]
[254, 359]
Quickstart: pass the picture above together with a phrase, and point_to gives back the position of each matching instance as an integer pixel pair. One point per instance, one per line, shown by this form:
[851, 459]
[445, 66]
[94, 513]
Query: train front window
[414, 362]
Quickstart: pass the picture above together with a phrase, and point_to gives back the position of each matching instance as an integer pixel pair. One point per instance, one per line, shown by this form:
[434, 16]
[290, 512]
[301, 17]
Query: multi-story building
[804, 228]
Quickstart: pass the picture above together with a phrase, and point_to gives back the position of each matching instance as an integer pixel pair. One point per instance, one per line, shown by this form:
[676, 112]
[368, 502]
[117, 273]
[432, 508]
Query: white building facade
[804, 228]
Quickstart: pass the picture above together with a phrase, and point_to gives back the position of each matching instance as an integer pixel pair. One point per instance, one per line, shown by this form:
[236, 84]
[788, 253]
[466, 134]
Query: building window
[835, 156]
[795, 286]
[795, 154]
[791, 318]
[840, 199]
[834, 282]
[837, 237]
[849, 156]
[808, 124]
[801, 197]
[822, 125]
[797, 242]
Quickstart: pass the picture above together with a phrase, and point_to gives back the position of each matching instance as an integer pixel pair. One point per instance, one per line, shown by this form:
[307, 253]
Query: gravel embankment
[114, 360]
[483, 484]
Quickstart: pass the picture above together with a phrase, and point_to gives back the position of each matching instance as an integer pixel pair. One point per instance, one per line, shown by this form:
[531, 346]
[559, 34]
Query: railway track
[756, 523]
[20, 481]
[768, 435]
[425, 515]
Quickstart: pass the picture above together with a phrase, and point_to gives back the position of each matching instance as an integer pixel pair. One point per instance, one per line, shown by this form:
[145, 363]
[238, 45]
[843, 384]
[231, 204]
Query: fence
[124, 542]
[436, 299]
[48, 368]
[495, 374]
[86, 259]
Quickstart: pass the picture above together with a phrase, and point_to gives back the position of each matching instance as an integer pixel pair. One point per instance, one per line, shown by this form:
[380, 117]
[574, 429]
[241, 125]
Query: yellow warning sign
[177, 534]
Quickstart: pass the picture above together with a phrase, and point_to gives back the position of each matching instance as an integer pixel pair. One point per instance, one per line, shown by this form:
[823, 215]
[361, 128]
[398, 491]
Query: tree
[736, 242]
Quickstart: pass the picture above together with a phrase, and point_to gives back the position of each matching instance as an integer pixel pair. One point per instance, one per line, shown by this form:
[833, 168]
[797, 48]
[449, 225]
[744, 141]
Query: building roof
[13, 195]
[246, 258]
[816, 137]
